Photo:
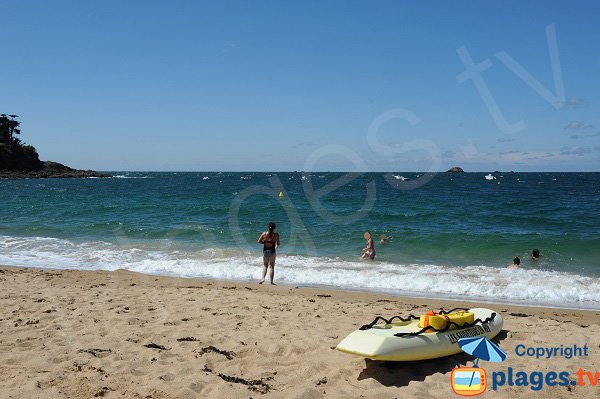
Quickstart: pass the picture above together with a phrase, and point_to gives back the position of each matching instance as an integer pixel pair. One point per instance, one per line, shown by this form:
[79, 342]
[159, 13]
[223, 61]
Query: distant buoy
[280, 194]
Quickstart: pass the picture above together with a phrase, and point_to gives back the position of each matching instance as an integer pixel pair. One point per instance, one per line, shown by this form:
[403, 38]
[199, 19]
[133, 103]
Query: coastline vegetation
[14, 153]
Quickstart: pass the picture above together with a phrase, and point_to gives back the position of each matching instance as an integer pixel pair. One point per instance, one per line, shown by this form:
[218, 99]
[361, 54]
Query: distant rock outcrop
[455, 169]
[48, 170]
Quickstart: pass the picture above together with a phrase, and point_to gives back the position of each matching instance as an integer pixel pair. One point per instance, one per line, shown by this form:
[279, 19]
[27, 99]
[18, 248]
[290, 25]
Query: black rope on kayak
[453, 310]
[388, 321]
[410, 317]
[450, 323]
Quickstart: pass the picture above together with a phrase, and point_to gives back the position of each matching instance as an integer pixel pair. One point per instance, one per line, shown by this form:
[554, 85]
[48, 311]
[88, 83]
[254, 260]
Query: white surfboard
[380, 343]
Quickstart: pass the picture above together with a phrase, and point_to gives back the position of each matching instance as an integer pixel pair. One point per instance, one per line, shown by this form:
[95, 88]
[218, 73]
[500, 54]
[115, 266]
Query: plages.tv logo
[471, 381]
[468, 381]
[537, 380]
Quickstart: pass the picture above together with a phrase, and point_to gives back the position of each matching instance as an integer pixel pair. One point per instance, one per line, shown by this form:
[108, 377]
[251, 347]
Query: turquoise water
[452, 235]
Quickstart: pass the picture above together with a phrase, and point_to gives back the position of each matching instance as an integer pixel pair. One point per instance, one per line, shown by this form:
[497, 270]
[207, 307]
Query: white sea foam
[131, 177]
[533, 287]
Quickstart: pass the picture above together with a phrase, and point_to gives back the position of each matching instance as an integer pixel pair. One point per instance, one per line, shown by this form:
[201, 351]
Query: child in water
[383, 239]
[516, 263]
[369, 251]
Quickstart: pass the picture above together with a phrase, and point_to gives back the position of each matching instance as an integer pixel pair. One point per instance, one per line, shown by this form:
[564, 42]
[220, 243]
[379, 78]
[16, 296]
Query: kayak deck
[380, 343]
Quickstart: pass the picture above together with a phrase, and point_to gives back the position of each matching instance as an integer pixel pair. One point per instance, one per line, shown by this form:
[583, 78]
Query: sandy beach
[76, 334]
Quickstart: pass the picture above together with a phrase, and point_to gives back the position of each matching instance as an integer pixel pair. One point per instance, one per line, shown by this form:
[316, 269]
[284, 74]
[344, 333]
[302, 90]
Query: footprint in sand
[519, 335]
[167, 377]
[196, 387]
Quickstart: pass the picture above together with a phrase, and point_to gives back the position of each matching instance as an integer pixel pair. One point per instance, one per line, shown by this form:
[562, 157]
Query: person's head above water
[535, 253]
[516, 260]
[272, 227]
[367, 235]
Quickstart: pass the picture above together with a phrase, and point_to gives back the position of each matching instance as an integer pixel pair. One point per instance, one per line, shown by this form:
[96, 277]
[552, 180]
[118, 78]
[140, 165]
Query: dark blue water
[440, 225]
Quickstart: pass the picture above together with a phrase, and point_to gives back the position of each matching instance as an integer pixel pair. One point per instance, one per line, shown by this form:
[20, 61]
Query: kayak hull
[379, 342]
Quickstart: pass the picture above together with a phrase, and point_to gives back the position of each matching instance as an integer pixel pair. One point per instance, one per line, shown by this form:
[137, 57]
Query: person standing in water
[270, 241]
[516, 263]
[369, 251]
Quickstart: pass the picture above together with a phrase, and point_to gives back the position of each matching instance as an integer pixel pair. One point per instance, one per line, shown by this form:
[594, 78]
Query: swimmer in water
[516, 263]
[383, 239]
[369, 251]
[535, 254]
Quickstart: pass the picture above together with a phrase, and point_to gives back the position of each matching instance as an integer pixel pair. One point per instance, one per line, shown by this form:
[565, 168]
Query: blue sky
[272, 85]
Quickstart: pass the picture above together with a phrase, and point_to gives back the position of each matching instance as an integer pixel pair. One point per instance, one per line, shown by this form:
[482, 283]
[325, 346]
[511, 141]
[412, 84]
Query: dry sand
[74, 334]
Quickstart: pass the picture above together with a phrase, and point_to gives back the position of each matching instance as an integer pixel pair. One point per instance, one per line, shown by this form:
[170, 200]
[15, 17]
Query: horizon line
[329, 171]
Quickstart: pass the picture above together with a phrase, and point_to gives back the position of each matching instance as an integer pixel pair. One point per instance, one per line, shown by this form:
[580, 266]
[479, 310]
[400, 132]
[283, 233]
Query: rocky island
[21, 161]
[455, 169]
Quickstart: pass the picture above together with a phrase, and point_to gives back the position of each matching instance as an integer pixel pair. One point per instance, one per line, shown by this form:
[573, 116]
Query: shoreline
[120, 334]
[473, 301]
[341, 293]
[481, 302]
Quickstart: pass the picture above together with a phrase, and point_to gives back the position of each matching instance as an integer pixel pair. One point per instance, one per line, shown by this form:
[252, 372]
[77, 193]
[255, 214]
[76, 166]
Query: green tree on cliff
[14, 154]
[9, 128]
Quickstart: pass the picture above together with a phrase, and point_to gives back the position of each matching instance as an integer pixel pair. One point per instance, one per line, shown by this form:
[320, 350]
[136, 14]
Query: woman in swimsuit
[270, 241]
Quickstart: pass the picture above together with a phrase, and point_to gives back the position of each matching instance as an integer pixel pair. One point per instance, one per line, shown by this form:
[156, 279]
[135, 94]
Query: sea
[449, 235]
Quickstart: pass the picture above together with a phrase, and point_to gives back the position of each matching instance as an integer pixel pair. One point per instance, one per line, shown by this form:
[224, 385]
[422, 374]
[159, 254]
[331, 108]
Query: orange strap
[426, 323]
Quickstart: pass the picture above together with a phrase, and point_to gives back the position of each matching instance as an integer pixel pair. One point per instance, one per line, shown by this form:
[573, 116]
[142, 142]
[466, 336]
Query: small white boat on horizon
[490, 177]
[401, 178]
